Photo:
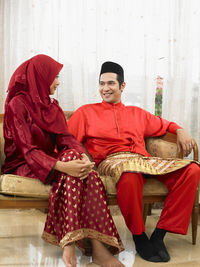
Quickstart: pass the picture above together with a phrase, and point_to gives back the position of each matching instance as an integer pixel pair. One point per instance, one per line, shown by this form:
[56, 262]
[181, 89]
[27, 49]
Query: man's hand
[184, 142]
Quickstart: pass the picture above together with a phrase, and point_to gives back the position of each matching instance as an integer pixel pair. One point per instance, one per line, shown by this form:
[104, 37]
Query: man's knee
[194, 170]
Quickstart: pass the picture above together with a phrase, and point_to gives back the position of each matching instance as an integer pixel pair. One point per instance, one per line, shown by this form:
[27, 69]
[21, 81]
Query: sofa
[23, 192]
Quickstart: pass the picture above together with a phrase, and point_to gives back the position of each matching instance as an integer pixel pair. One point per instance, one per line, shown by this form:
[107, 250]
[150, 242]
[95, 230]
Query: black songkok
[112, 67]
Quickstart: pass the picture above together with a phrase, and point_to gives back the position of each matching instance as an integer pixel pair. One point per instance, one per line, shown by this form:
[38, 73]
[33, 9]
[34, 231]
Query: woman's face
[54, 85]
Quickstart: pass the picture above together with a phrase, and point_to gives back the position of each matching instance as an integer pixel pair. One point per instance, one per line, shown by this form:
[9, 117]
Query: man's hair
[120, 79]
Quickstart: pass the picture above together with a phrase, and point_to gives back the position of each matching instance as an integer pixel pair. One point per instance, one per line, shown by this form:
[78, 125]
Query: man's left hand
[185, 142]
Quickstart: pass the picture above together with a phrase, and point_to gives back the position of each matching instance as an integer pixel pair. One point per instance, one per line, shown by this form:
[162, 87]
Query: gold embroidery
[92, 234]
[118, 163]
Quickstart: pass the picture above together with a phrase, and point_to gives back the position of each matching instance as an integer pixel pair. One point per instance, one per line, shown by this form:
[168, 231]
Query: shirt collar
[117, 105]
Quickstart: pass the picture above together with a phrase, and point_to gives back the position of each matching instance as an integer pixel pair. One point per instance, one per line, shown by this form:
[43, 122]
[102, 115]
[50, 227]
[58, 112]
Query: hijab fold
[33, 79]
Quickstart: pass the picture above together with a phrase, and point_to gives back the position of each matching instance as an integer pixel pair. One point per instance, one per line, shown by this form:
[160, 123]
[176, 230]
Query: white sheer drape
[83, 34]
[181, 101]
[147, 37]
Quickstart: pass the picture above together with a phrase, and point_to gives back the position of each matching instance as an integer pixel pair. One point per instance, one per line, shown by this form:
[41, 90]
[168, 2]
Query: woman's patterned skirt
[78, 212]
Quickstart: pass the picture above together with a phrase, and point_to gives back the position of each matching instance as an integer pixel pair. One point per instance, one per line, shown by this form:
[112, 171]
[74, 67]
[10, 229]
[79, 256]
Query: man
[114, 136]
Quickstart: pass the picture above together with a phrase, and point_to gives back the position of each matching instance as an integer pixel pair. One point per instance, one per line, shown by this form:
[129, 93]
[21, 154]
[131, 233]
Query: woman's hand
[86, 158]
[76, 168]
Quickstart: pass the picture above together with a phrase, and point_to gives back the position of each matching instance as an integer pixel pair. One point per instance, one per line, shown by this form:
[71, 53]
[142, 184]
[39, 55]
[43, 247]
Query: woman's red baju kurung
[36, 137]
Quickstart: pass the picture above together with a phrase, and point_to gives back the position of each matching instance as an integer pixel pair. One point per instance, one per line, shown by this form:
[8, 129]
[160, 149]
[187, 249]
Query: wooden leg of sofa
[195, 215]
[145, 211]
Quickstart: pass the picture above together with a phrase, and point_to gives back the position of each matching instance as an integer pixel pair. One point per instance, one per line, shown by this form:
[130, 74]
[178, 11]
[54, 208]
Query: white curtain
[83, 34]
[147, 37]
[181, 101]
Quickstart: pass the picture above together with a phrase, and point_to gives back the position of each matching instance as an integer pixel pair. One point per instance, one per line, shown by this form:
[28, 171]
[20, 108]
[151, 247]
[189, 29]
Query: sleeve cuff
[173, 127]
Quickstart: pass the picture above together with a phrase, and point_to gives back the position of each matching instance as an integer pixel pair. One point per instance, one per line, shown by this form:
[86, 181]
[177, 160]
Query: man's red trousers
[175, 216]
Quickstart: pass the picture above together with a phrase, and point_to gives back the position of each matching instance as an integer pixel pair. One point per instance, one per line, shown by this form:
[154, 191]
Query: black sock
[158, 243]
[145, 249]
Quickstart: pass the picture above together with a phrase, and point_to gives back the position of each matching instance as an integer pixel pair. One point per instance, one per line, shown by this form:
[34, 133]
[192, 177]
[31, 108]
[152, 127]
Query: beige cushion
[151, 187]
[29, 187]
[23, 186]
[161, 148]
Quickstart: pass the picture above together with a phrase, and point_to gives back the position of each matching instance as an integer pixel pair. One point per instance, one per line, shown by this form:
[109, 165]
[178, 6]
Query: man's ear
[123, 85]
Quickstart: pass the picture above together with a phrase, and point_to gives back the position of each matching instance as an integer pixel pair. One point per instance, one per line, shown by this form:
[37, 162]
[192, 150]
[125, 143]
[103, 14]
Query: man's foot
[145, 249]
[69, 256]
[102, 257]
[158, 243]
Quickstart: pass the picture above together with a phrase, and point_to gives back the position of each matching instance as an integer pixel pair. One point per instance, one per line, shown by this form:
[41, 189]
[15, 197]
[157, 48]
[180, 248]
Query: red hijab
[33, 79]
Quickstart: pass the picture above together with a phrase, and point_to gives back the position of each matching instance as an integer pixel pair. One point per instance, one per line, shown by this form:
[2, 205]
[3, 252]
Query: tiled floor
[22, 246]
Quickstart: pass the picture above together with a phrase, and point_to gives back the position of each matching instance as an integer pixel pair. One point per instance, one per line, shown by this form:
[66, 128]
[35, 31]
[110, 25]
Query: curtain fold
[181, 99]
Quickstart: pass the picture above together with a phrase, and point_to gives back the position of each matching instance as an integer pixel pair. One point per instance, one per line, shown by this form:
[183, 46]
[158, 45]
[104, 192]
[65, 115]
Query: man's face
[109, 88]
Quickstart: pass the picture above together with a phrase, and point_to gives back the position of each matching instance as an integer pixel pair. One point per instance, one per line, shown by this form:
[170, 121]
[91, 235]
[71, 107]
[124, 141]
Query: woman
[38, 145]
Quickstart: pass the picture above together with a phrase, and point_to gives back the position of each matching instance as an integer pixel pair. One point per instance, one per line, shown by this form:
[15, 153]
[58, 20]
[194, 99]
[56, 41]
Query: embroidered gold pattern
[80, 234]
[118, 163]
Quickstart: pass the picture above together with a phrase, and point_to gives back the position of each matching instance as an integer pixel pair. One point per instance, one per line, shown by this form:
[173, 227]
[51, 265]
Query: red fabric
[175, 216]
[107, 128]
[29, 148]
[32, 79]
[78, 210]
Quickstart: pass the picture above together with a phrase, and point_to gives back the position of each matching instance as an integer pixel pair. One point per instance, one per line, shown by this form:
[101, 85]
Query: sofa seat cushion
[151, 187]
[28, 187]
[23, 186]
